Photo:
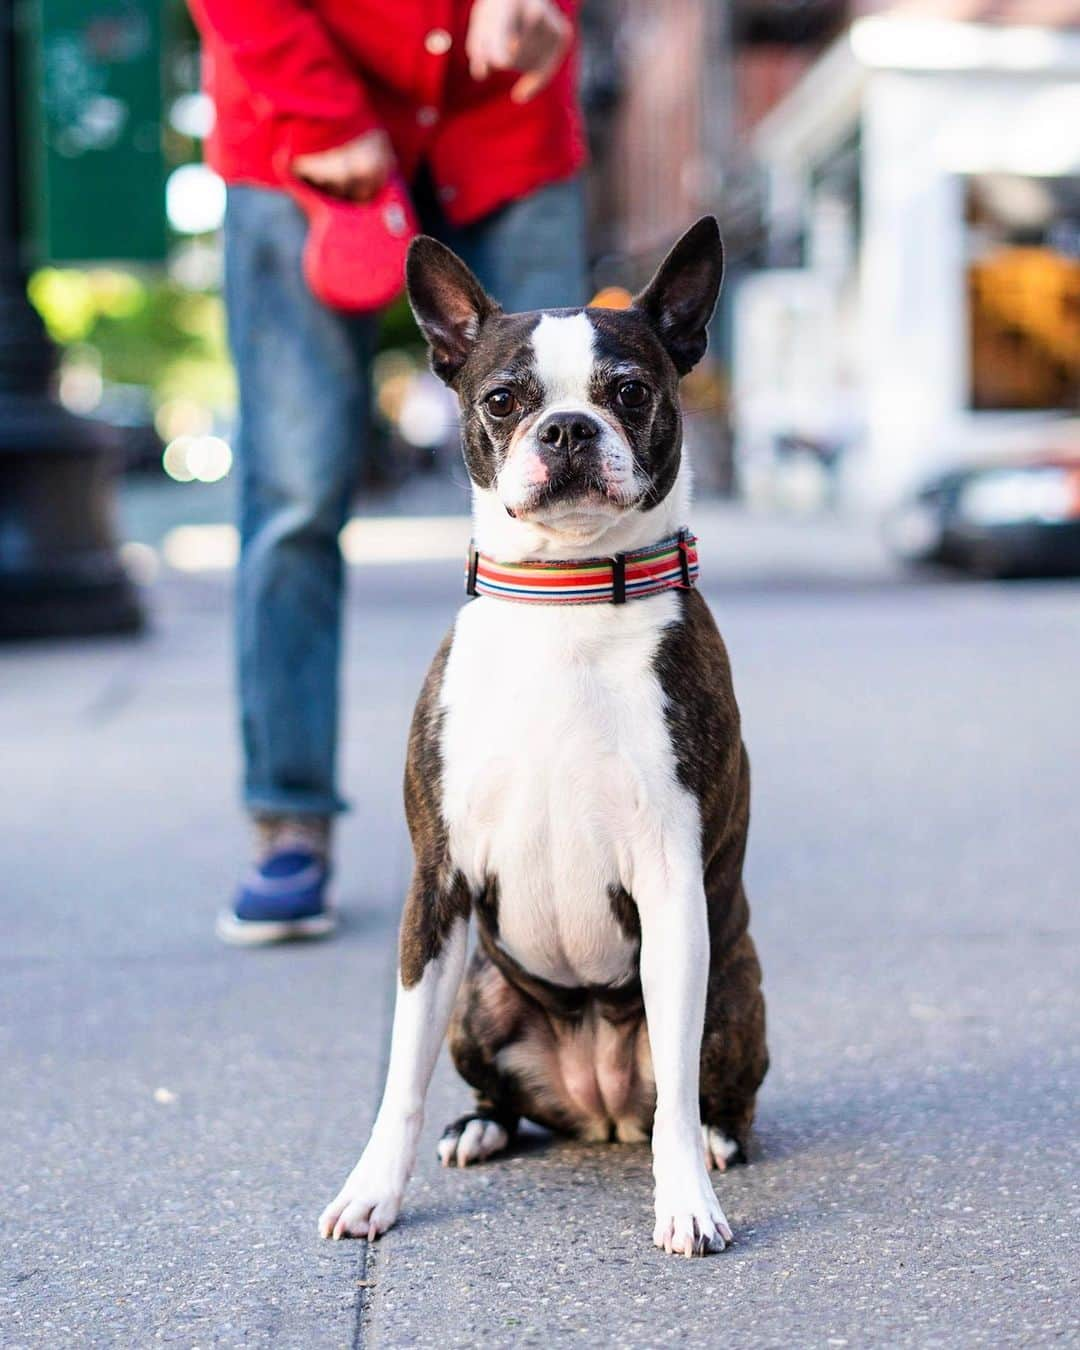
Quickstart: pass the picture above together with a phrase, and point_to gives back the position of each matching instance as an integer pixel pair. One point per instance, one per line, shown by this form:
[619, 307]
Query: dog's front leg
[370, 1200]
[674, 975]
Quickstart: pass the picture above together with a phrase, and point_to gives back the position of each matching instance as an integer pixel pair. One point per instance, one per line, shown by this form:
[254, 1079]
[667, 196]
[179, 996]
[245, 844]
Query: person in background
[473, 103]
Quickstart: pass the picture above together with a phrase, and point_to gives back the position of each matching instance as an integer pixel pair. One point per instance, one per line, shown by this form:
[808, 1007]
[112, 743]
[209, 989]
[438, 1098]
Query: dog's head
[570, 417]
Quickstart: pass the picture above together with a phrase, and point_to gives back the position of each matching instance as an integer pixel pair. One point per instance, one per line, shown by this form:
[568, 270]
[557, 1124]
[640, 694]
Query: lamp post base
[60, 573]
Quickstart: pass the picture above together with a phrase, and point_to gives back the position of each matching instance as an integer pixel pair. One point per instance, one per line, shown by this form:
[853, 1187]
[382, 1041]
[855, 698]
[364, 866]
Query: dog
[576, 777]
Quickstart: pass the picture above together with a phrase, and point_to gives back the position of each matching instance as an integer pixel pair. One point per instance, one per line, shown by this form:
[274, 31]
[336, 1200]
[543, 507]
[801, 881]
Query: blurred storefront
[922, 304]
[671, 93]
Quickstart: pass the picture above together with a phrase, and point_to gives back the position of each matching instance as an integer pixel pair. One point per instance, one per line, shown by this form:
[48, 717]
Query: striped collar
[670, 564]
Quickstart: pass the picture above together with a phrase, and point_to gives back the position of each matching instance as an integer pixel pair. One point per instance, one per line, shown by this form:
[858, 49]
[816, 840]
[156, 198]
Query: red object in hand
[354, 257]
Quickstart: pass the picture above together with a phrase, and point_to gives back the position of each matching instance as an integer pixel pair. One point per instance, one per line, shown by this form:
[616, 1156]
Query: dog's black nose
[567, 431]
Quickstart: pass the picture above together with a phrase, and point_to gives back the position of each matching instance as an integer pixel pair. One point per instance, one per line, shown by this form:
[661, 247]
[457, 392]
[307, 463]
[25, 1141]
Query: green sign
[91, 143]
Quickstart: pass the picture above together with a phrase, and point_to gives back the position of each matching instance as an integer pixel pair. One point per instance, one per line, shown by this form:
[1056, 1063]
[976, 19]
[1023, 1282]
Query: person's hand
[357, 169]
[531, 36]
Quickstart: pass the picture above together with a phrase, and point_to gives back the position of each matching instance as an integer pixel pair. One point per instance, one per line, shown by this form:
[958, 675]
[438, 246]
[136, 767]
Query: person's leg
[302, 372]
[530, 254]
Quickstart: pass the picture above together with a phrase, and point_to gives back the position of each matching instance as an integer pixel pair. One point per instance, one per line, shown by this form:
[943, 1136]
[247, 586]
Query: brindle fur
[501, 1004]
[703, 719]
[437, 893]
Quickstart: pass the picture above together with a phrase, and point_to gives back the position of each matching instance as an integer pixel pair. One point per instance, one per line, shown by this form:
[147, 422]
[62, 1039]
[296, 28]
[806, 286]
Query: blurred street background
[888, 423]
[899, 193]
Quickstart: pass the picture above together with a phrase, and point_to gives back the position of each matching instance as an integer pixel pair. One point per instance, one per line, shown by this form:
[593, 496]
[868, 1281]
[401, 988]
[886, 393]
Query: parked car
[1006, 518]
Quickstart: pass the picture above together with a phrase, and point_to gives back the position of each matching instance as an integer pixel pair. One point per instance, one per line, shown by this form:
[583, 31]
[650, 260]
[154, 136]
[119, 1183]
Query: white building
[925, 177]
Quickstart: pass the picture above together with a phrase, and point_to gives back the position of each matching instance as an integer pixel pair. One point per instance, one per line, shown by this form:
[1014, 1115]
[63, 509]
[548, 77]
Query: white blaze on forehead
[564, 357]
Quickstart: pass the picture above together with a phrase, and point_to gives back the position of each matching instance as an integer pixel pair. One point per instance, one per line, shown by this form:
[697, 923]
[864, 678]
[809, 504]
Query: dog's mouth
[574, 493]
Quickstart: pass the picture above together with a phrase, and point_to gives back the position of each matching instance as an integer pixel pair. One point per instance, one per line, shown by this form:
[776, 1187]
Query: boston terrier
[576, 776]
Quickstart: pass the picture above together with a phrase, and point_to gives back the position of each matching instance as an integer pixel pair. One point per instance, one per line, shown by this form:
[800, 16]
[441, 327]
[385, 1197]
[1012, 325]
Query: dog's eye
[633, 394]
[500, 403]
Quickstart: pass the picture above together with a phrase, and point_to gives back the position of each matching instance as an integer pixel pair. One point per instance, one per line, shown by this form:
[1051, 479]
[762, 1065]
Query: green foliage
[156, 333]
[149, 332]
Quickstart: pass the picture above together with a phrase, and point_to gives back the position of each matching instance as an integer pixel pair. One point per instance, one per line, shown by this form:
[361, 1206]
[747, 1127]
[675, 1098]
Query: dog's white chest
[557, 770]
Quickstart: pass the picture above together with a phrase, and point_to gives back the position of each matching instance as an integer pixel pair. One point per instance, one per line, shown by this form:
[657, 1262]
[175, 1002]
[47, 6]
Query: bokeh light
[205, 459]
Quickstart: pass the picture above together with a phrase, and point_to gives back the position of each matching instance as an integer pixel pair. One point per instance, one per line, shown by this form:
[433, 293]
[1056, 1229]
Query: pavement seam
[364, 1313]
[364, 1296]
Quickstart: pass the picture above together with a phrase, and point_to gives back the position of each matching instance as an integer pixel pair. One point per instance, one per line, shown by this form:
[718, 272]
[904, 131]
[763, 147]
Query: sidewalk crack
[365, 1295]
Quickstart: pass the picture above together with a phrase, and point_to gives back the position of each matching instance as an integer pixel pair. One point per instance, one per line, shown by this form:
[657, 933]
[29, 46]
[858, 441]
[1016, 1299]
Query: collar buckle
[618, 579]
[684, 558]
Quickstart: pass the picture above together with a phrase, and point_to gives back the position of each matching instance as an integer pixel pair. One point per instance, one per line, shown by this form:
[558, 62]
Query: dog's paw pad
[721, 1151]
[470, 1140]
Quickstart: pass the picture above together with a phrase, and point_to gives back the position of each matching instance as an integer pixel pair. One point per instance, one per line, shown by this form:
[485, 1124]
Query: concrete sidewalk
[178, 1113]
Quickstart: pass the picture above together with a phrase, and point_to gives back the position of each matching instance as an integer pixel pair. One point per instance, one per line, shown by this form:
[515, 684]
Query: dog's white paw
[720, 1149]
[689, 1220]
[691, 1225]
[470, 1140]
[370, 1200]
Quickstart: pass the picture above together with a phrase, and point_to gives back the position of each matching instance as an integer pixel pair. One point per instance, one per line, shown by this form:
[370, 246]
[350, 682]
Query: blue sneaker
[284, 896]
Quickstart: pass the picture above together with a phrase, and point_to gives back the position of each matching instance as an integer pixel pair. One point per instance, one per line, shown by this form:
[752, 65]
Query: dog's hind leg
[488, 1016]
[734, 1058]
[474, 1137]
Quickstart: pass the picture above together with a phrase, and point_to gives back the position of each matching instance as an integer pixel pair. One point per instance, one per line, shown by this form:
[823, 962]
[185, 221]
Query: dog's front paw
[470, 1140]
[368, 1203]
[689, 1220]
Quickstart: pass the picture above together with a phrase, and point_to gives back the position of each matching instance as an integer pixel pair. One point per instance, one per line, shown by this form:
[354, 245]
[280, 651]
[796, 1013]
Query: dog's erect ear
[448, 301]
[681, 297]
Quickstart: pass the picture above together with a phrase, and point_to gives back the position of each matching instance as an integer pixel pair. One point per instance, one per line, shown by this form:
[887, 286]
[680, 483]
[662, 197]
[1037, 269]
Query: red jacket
[293, 76]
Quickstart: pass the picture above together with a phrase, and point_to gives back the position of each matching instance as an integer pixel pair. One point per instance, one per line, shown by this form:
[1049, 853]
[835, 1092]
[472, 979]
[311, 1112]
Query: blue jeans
[303, 374]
